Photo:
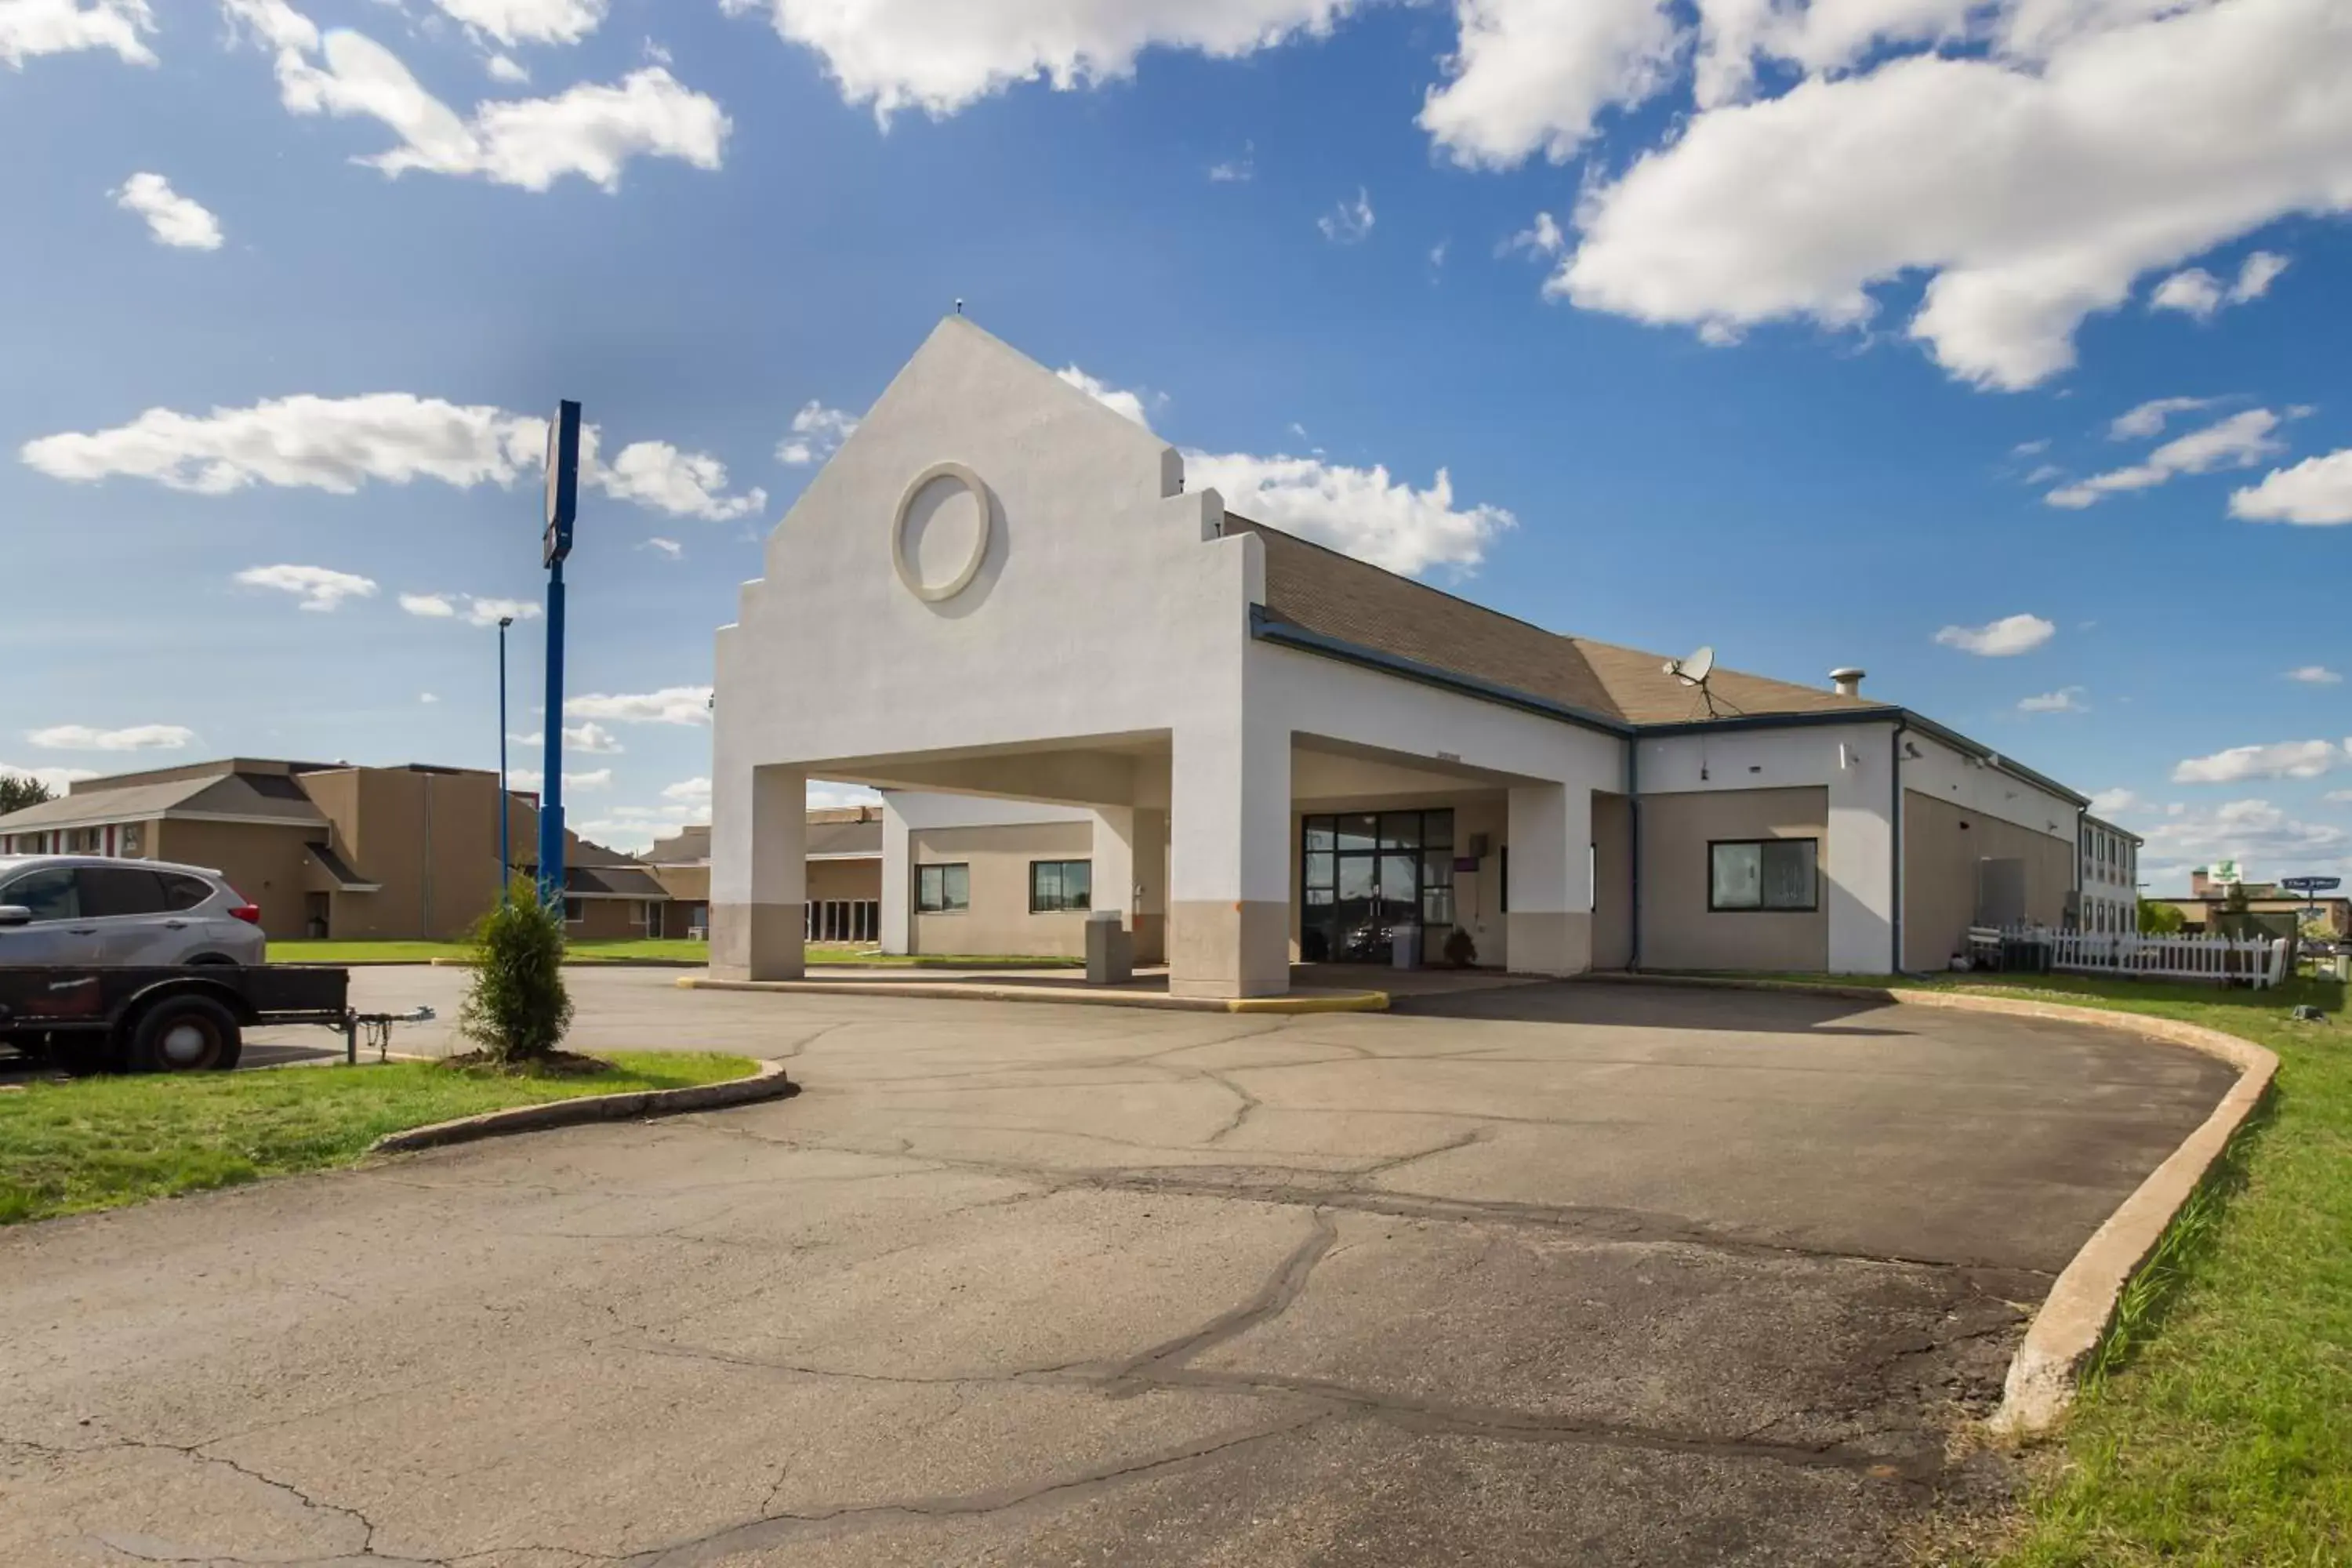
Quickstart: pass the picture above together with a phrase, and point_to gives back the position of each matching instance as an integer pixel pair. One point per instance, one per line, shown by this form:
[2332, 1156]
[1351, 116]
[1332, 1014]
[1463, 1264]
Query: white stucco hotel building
[1260, 750]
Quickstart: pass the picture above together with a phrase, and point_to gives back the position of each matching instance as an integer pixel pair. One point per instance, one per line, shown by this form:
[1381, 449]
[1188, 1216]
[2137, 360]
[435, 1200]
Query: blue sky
[1807, 337]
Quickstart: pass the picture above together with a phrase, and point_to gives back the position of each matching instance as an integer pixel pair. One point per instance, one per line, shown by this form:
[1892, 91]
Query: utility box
[1110, 949]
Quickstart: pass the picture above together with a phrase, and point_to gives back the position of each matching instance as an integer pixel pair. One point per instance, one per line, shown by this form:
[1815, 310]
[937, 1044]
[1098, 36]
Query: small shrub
[1460, 950]
[517, 1010]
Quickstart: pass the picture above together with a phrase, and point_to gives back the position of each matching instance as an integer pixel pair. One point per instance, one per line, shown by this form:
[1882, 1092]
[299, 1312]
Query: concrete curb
[767, 1083]
[568, 963]
[982, 991]
[2075, 1316]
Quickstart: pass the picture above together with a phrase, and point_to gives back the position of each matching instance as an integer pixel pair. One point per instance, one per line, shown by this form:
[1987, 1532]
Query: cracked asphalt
[1557, 1274]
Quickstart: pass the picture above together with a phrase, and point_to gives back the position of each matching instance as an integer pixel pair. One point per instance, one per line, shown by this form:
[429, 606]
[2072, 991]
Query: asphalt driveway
[1567, 1274]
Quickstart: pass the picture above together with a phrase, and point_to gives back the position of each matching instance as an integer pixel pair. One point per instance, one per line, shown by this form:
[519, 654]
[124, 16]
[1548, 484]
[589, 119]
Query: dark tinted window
[184, 892]
[48, 894]
[120, 890]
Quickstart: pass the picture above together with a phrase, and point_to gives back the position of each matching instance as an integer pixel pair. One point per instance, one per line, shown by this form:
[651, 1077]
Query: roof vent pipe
[1848, 680]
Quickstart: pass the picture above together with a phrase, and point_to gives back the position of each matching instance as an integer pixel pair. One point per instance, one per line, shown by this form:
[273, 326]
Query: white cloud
[136, 737]
[478, 612]
[669, 549]
[31, 27]
[689, 791]
[2285, 760]
[427, 698]
[2031, 180]
[2315, 675]
[2111, 802]
[506, 68]
[1126, 404]
[319, 587]
[339, 443]
[1542, 237]
[590, 739]
[1348, 223]
[2238, 442]
[2193, 291]
[1236, 171]
[2147, 421]
[59, 779]
[2339, 797]
[173, 219]
[941, 55]
[684, 484]
[2065, 700]
[1529, 77]
[1361, 511]
[531, 778]
[514, 22]
[589, 129]
[2254, 832]
[670, 705]
[2003, 639]
[817, 433]
[2315, 491]
[325, 442]
[823, 795]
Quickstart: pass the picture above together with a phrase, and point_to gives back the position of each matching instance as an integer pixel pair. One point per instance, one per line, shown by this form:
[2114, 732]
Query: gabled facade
[1000, 589]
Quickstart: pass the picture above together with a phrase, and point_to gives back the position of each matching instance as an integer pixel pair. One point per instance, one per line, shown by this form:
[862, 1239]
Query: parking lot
[1567, 1273]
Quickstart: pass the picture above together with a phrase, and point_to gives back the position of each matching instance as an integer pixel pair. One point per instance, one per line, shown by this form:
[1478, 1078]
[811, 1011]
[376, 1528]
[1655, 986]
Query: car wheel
[185, 1033]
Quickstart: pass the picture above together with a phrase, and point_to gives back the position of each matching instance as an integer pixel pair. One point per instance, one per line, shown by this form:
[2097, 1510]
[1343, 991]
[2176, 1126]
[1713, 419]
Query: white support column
[1131, 869]
[1229, 898]
[1858, 859]
[1549, 927]
[758, 873]
[897, 881]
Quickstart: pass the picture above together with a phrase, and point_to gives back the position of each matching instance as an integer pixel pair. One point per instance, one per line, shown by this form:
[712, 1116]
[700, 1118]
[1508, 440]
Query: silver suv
[80, 911]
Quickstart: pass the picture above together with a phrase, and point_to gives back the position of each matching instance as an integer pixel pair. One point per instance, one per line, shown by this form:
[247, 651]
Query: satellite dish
[1694, 670]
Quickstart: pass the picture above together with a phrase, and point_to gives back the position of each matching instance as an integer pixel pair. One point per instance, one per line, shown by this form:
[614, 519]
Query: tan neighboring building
[330, 850]
[845, 876]
[2207, 898]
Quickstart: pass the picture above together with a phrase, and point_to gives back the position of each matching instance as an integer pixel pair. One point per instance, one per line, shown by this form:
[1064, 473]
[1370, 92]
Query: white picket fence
[2260, 961]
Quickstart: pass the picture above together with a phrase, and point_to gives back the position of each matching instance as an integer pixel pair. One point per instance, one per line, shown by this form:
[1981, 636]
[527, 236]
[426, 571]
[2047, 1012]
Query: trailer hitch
[378, 1027]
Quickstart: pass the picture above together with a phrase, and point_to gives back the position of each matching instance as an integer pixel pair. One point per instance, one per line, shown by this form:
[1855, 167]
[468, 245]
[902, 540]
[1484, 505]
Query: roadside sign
[2225, 871]
[2311, 884]
[562, 481]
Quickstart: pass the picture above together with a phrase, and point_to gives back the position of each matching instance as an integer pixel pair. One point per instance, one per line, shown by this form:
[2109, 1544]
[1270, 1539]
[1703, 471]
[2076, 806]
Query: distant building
[845, 876]
[2109, 861]
[2207, 898]
[327, 849]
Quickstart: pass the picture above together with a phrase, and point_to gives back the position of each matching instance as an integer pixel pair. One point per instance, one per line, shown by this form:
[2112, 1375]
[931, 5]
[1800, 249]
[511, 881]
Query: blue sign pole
[563, 502]
[506, 854]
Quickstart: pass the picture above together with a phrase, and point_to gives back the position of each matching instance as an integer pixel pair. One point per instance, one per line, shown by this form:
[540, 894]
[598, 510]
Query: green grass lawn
[676, 950]
[101, 1143]
[2220, 1430]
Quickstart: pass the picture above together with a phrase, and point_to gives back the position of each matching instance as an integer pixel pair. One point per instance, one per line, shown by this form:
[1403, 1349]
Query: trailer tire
[185, 1033]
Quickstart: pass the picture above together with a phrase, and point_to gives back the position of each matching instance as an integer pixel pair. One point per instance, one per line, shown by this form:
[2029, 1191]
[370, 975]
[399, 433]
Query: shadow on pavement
[1602, 1005]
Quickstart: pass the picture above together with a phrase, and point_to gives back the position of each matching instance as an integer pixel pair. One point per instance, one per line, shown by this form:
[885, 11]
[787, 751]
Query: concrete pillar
[897, 881]
[1549, 927]
[1858, 859]
[758, 873]
[1229, 894]
[1130, 867]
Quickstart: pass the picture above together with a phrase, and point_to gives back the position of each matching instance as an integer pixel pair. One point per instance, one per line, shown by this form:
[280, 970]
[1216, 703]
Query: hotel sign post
[562, 504]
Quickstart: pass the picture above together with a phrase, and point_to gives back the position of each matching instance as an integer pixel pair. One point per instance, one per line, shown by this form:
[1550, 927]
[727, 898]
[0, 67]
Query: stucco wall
[999, 920]
[844, 880]
[1942, 844]
[1678, 931]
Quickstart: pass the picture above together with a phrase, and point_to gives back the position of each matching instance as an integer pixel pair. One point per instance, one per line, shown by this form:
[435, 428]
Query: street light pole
[506, 857]
[563, 502]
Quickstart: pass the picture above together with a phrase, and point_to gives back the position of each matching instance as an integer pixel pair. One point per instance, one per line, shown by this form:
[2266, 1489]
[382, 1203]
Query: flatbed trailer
[97, 1019]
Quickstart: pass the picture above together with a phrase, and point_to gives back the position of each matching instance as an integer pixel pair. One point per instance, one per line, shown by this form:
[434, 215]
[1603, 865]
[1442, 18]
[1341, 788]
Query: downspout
[1894, 869]
[1634, 846]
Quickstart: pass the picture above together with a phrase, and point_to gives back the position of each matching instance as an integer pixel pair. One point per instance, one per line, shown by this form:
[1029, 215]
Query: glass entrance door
[1366, 873]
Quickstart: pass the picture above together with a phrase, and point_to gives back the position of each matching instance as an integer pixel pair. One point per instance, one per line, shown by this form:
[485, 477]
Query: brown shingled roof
[1351, 600]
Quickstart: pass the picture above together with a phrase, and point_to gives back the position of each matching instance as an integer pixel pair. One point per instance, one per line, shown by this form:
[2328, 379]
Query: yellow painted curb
[982, 991]
[2081, 1307]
